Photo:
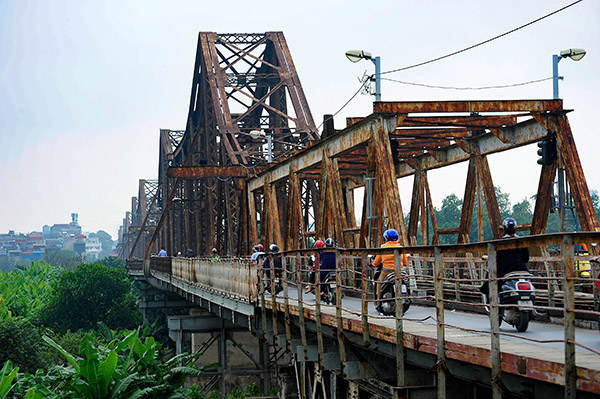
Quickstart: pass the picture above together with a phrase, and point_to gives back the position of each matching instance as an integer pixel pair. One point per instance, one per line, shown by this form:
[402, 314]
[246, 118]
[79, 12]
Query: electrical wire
[467, 88]
[325, 120]
[347, 102]
[441, 58]
[481, 43]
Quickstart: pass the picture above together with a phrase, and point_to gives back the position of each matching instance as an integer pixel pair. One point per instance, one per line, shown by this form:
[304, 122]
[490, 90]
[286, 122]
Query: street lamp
[357, 55]
[573, 53]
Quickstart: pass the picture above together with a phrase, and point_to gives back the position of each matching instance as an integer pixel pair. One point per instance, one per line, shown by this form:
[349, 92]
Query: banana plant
[7, 375]
[126, 367]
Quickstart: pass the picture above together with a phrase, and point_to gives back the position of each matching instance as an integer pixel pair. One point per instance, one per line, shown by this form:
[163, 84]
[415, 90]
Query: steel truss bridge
[251, 167]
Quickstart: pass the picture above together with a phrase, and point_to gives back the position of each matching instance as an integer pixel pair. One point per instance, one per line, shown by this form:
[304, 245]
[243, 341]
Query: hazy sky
[85, 86]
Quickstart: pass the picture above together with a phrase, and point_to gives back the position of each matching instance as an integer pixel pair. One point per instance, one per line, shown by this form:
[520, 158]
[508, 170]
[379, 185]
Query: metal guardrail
[444, 274]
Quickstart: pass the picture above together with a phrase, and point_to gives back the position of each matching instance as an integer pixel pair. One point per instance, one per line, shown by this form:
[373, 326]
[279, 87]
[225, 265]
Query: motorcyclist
[390, 237]
[214, 256]
[273, 249]
[508, 260]
[327, 259]
[257, 250]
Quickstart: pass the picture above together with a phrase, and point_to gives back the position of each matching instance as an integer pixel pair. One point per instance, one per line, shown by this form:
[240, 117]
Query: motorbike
[328, 289]
[277, 282]
[519, 292]
[387, 294]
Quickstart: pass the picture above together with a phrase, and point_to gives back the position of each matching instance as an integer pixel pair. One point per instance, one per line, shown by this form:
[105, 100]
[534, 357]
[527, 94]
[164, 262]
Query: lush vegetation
[448, 215]
[24, 290]
[58, 338]
[122, 366]
[81, 298]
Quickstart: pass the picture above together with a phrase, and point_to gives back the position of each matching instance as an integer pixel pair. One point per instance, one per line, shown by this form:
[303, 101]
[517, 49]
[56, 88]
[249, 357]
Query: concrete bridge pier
[235, 349]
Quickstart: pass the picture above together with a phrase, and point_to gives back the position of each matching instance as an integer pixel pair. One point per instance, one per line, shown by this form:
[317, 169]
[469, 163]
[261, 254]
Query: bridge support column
[233, 347]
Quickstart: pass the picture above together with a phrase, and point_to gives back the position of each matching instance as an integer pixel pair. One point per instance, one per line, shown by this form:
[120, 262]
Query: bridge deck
[528, 359]
[233, 288]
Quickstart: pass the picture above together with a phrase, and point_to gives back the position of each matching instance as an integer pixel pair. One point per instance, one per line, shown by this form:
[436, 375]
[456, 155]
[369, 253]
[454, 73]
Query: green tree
[62, 257]
[448, 217]
[112, 262]
[25, 289]
[90, 294]
[21, 342]
[107, 243]
[522, 213]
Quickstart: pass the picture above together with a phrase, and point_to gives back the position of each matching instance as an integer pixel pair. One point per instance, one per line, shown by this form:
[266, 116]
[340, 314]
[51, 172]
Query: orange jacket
[388, 260]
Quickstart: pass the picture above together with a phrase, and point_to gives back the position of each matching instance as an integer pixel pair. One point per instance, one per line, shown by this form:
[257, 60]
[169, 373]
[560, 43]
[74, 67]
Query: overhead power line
[467, 88]
[347, 102]
[450, 55]
[481, 43]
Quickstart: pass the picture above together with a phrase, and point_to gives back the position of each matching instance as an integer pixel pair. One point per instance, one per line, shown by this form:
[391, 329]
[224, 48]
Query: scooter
[277, 281]
[387, 294]
[519, 292]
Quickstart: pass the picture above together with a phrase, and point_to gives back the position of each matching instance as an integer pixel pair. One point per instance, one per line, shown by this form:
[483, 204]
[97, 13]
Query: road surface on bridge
[539, 331]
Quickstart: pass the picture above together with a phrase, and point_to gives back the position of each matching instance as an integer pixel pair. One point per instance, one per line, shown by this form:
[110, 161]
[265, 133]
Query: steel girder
[410, 138]
[245, 88]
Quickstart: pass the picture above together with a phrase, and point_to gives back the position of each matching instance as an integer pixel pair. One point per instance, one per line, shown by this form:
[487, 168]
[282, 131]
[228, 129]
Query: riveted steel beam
[524, 133]
[467, 106]
[198, 172]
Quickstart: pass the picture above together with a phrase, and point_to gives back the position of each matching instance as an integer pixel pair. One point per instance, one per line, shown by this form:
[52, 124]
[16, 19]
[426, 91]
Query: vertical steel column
[302, 326]
[494, 322]
[439, 305]
[318, 320]
[399, 325]
[273, 299]
[286, 304]
[223, 355]
[568, 252]
[353, 390]
[338, 313]
[364, 310]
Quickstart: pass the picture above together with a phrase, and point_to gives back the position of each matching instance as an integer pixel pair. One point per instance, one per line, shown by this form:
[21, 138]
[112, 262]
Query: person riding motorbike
[257, 250]
[328, 263]
[390, 237]
[214, 256]
[508, 260]
[273, 249]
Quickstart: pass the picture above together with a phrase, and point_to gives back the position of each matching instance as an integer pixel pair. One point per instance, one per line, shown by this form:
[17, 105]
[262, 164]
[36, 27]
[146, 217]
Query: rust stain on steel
[336, 145]
[467, 106]
[523, 133]
[198, 172]
[460, 121]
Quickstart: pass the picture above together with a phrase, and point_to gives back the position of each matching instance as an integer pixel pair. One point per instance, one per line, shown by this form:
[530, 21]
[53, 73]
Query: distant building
[93, 247]
[59, 236]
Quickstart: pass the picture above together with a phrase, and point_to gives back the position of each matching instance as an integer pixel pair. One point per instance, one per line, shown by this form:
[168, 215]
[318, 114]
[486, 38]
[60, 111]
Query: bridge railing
[450, 275]
[229, 277]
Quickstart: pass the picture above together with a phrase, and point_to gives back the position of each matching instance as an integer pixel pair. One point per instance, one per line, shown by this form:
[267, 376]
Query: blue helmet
[390, 235]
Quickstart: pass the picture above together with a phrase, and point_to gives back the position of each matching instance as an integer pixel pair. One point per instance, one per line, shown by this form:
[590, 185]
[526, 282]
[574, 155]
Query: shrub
[92, 293]
[21, 342]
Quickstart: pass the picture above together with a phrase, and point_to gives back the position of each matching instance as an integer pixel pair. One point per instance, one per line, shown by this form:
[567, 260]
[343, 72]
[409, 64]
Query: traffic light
[547, 151]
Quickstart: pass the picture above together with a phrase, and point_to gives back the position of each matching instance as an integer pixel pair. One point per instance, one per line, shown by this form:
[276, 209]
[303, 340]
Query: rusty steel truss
[410, 138]
[217, 188]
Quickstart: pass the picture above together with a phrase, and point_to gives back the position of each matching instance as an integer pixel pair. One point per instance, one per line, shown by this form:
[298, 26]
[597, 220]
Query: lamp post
[357, 55]
[573, 53]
